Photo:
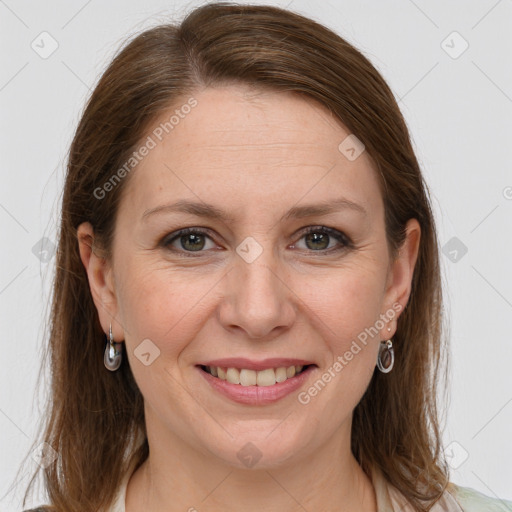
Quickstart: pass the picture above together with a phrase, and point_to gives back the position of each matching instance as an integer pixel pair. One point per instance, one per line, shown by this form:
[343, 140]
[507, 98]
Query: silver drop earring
[386, 357]
[113, 353]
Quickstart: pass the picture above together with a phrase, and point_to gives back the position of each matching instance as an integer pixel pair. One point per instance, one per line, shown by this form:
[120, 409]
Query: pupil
[321, 238]
[194, 239]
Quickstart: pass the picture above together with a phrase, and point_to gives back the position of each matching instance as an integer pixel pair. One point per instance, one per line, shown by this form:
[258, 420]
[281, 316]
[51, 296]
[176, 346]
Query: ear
[399, 282]
[101, 283]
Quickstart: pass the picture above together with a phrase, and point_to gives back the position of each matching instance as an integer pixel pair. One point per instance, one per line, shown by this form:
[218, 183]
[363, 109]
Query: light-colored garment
[454, 499]
[389, 499]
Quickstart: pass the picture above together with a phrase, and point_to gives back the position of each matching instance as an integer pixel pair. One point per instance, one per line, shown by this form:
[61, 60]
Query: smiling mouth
[245, 377]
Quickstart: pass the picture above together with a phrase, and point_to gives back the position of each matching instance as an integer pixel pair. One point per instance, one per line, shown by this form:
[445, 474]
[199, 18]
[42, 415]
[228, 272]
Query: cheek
[161, 304]
[347, 301]
[160, 316]
[345, 309]
[345, 312]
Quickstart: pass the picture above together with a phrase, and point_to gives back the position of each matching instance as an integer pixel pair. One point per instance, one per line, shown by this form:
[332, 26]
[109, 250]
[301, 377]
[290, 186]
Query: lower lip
[257, 395]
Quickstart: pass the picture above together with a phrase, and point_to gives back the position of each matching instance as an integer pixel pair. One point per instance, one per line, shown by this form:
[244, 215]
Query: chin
[258, 450]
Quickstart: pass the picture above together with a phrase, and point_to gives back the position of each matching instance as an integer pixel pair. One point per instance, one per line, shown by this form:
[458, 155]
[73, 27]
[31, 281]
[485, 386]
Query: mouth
[248, 377]
[257, 387]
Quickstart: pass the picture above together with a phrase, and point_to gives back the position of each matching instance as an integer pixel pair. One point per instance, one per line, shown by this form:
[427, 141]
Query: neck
[177, 477]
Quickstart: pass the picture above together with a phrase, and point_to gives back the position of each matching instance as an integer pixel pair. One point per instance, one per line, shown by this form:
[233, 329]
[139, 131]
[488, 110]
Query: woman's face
[253, 284]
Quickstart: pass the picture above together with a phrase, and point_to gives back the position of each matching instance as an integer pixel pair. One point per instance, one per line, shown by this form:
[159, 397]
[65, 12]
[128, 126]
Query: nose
[257, 298]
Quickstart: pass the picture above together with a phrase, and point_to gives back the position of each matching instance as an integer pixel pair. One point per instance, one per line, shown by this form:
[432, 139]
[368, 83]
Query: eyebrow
[296, 212]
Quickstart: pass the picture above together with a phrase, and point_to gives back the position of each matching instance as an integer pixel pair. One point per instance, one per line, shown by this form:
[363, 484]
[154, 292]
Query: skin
[256, 155]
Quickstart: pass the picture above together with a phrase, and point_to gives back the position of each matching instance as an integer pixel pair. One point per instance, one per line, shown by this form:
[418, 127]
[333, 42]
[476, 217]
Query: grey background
[458, 108]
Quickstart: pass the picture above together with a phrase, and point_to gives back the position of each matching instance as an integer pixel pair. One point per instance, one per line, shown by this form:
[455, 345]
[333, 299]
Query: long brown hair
[94, 415]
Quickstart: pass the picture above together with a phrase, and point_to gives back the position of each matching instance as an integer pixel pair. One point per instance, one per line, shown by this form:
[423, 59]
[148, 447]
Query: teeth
[246, 377]
[281, 375]
[233, 376]
[266, 377]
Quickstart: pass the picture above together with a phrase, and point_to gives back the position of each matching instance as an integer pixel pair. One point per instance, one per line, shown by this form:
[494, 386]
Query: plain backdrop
[449, 66]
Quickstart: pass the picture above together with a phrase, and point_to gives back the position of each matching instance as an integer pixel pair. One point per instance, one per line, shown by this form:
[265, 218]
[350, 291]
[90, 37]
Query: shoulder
[471, 500]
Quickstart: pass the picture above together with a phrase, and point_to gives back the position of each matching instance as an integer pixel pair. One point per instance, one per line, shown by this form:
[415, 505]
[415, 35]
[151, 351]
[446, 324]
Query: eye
[317, 239]
[321, 238]
[188, 240]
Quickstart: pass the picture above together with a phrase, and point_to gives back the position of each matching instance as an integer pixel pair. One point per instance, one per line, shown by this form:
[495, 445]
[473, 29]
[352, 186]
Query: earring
[386, 358]
[113, 353]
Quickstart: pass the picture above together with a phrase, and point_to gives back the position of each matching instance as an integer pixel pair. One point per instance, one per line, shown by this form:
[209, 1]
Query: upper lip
[242, 362]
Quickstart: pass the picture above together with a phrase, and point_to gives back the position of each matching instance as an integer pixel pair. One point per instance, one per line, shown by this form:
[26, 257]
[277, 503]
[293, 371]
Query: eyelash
[337, 235]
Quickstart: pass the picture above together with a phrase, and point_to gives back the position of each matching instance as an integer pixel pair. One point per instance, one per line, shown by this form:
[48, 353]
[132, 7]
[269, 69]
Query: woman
[247, 304]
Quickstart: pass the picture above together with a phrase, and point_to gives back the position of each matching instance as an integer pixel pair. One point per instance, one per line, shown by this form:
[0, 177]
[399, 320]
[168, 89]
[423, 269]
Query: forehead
[239, 145]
